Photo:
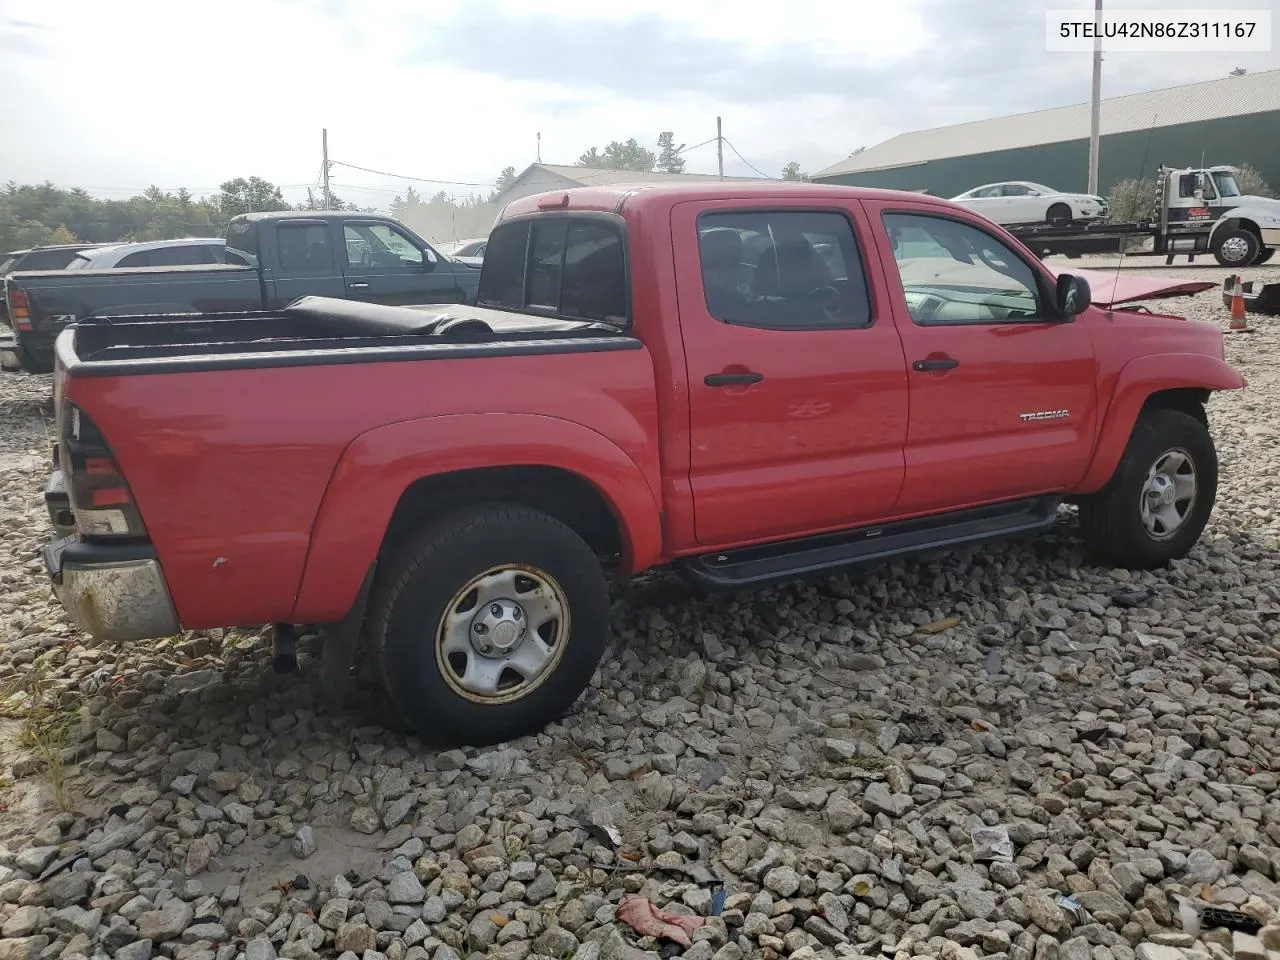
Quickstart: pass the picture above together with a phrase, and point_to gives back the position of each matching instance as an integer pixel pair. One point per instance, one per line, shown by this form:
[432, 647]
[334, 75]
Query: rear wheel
[488, 625]
[1059, 215]
[1160, 497]
[1237, 248]
[31, 361]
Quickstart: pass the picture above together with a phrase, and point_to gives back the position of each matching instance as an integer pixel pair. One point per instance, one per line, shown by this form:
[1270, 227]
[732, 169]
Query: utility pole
[719, 149]
[324, 150]
[539, 146]
[1095, 115]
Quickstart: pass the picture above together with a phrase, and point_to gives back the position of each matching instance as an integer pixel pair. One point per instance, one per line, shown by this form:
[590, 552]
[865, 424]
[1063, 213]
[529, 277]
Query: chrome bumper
[114, 593]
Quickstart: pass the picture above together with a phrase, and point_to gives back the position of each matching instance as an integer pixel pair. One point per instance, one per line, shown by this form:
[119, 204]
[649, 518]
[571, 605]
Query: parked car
[360, 256]
[631, 389]
[157, 253]
[1021, 201]
[52, 257]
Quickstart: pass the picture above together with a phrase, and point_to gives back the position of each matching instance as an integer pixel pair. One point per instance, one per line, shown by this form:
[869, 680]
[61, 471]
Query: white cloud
[116, 96]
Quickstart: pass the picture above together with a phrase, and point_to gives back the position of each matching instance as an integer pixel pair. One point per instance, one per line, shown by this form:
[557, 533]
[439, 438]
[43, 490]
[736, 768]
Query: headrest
[721, 249]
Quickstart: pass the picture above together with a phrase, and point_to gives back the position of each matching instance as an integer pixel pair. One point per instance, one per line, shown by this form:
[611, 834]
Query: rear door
[797, 383]
[305, 261]
[1003, 392]
[383, 264]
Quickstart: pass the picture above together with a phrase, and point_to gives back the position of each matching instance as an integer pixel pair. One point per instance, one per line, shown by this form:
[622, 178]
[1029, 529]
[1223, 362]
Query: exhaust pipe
[284, 648]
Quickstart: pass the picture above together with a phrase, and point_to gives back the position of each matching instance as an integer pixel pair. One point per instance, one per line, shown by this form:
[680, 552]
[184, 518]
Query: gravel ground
[918, 760]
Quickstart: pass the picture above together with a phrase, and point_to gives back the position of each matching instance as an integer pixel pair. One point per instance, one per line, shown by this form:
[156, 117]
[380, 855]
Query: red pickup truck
[750, 381]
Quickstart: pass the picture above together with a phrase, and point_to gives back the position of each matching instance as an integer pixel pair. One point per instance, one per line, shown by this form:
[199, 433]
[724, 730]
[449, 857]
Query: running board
[767, 563]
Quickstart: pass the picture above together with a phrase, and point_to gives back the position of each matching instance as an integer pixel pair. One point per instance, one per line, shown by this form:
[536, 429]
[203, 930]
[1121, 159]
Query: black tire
[1237, 248]
[425, 578]
[1264, 256]
[31, 361]
[1112, 518]
[1059, 215]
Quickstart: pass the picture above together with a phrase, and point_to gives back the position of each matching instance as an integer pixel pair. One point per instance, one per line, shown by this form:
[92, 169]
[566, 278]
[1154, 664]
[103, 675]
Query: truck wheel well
[1189, 400]
[553, 491]
[1234, 223]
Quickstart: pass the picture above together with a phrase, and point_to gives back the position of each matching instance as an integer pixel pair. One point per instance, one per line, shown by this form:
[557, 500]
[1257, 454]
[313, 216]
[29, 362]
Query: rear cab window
[572, 266]
[242, 237]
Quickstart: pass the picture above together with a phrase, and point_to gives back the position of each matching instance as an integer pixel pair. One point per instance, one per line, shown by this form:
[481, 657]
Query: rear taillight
[19, 307]
[100, 498]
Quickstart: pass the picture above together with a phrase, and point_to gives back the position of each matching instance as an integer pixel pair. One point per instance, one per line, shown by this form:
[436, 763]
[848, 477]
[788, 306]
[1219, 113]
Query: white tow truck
[1199, 210]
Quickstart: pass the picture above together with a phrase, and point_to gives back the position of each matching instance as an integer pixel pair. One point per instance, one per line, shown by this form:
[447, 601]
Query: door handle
[938, 363]
[358, 286]
[731, 379]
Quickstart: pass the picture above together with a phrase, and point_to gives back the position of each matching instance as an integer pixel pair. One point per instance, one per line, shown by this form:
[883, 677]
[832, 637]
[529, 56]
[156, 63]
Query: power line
[746, 161]
[402, 176]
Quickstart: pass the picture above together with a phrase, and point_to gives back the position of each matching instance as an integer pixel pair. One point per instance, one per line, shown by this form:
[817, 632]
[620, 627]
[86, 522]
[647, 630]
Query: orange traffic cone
[1239, 322]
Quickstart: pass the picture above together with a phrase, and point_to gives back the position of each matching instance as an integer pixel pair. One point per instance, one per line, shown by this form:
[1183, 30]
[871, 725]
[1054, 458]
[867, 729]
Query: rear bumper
[115, 593]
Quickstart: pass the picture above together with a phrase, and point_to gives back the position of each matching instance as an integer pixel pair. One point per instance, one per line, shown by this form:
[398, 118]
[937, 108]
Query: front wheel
[488, 625]
[1058, 215]
[1239, 248]
[1160, 497]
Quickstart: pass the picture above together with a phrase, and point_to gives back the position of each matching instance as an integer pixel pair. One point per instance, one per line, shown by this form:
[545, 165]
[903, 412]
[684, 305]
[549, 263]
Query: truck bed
[318, 331]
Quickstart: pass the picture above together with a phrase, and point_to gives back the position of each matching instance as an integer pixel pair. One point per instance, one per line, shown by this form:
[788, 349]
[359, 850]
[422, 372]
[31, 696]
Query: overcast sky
[115, 96]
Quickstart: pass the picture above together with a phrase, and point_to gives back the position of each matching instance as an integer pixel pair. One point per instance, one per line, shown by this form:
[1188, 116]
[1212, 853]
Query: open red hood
[1111, 288]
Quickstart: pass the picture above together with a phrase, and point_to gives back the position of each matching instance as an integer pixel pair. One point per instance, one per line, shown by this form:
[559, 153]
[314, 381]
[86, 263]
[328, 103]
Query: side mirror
[1073, 295]
[427, 264]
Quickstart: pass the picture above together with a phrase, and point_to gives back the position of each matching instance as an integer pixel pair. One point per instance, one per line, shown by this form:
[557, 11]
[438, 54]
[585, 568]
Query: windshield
[1226, 185]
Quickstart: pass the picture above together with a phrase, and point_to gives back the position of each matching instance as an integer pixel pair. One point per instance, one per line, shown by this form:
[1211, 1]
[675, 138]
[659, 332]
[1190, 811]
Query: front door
[1003, 391]
[797, 385]
[383, 265]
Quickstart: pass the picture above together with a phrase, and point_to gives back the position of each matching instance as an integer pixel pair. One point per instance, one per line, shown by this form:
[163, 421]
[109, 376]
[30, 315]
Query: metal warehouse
[1232, 120]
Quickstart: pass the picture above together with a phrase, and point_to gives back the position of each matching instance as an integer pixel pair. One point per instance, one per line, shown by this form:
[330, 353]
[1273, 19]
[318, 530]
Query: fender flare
[1244, 216]
[1137, 381]
[378, 466]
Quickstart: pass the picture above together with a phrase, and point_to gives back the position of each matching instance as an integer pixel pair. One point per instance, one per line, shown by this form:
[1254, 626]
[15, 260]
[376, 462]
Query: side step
[768, 563]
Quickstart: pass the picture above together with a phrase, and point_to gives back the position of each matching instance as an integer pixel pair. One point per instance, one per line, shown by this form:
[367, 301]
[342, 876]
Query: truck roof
[309, 215]
[614, 197]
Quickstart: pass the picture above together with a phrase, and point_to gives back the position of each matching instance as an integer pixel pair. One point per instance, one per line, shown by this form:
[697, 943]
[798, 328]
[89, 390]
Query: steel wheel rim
[1168, 494]
[502, 634]
[1235, 248]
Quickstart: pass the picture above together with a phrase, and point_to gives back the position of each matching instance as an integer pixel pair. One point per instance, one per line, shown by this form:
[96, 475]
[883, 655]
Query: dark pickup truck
[273, 259]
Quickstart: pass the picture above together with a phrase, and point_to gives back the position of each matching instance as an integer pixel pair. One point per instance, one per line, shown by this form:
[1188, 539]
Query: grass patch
[48, 722]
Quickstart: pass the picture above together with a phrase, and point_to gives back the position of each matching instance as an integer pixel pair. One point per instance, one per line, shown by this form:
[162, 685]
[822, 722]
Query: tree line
[39, 214]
